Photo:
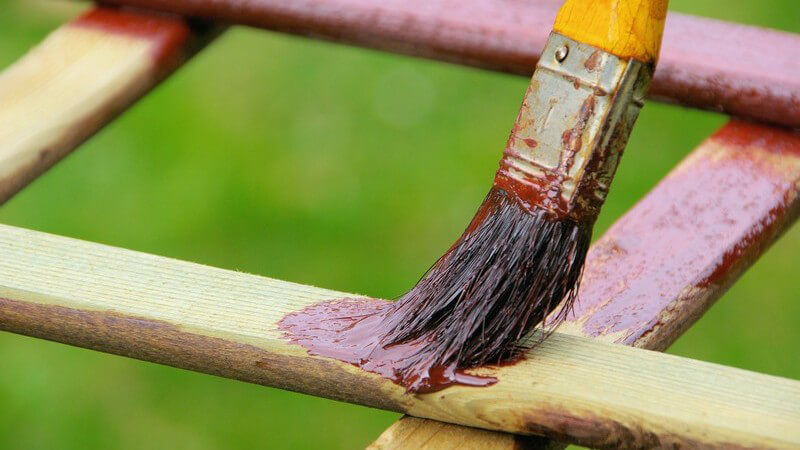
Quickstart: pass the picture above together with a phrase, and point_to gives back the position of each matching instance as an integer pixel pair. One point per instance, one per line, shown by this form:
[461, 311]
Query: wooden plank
[590, 392]
[80, 78]
[225, 323]
[413, 433]
[648, 279]
[737, 69]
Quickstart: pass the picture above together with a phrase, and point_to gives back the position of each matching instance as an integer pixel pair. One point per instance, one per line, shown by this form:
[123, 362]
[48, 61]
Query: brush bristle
[509, 270]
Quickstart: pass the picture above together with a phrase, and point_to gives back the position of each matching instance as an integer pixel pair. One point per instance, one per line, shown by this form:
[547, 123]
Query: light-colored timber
[571, 387]
[415, 433]
[754, 165]
[80, 78]
[745, 73]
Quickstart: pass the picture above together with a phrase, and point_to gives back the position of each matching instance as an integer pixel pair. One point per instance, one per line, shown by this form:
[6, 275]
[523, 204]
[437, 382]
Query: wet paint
[349, 330]
[169, 35]
[693, 233]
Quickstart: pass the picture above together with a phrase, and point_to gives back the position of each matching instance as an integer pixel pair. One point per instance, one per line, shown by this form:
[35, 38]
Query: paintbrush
[521, 257]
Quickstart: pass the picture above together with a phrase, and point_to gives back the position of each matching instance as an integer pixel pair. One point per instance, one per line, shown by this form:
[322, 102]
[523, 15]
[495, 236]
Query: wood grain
[571, 388]
[736, 69]
[415, 433]
[80, 78]
[626, 28]
[651, 269]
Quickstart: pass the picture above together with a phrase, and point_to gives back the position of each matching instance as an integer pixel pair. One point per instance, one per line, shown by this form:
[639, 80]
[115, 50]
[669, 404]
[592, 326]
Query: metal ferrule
[572, 128]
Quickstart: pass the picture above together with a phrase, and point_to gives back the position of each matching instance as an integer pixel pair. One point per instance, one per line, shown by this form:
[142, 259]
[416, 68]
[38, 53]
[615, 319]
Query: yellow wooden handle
[626, 28]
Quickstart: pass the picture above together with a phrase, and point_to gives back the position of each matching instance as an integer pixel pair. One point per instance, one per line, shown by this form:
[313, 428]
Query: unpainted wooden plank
[80, 78]
[571, 387]
[415, 433]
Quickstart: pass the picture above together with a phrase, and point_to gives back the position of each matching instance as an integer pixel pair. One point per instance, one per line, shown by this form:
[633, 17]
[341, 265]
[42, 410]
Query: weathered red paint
[673, 254]
[741, 70]
[698, 229]
[168, 34]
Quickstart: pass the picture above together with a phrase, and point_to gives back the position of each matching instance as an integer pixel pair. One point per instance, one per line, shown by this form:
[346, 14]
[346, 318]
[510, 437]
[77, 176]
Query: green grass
[316, 163]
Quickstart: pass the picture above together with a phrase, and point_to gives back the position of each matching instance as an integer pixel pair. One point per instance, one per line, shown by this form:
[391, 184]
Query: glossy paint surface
[693, 234]
[349, 330]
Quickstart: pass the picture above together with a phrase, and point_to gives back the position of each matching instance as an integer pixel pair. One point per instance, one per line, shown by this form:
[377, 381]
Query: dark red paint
[534, 191]
[348, 330]
[169, 34]
[698, 227]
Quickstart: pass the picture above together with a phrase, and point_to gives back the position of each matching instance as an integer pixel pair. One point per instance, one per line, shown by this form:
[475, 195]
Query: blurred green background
[315, 163]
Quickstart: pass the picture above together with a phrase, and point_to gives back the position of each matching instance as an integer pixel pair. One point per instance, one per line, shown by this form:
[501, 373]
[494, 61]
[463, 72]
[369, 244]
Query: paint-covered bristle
[509, 270]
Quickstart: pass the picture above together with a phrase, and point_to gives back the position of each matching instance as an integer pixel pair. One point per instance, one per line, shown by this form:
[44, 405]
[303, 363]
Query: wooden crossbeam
[737, 69]
[643, 285]
[224, 323]
[573, 388]
[80, 78]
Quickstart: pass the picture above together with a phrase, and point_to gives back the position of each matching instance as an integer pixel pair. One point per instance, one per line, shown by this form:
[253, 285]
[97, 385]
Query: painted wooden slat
[659, 267]
[80, 78]
[571, 387]
[737, 69]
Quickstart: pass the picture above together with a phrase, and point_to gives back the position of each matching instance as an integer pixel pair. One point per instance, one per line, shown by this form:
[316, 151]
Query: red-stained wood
[171, 39]
[736, 69]
[80, 78]
[655, 271]
[658, 268]
[665, 262]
